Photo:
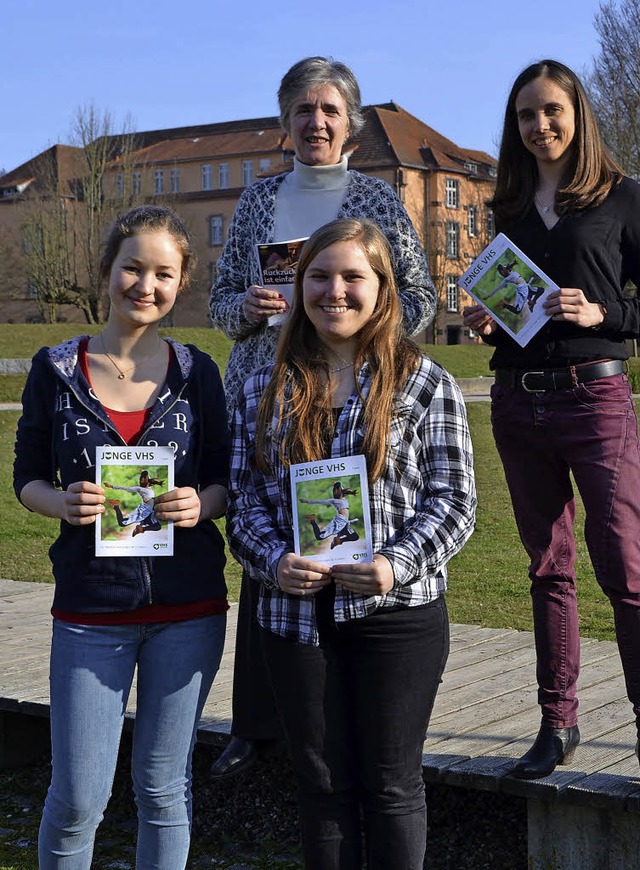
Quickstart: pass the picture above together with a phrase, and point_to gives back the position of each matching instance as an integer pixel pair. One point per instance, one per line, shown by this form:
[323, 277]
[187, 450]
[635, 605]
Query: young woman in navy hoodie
[164, 616]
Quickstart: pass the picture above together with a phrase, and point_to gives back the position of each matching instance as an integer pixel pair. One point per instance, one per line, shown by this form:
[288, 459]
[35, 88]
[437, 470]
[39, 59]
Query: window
[491, 224]
[472, 223]
[472, 167]
[158, 181]
[175, 180]
[120, 185]
[265, 164]
[452, 193]
[215, 229]
[207, 176]
[136, 182]
[453, 239]
[223, 176]
[247, 173]
[453, 295]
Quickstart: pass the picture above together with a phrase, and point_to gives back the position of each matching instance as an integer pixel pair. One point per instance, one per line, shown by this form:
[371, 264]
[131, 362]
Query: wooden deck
[485, 717]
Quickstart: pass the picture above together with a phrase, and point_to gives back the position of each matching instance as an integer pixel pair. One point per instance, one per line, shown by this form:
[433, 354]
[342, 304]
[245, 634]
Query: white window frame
[223, 176]
[265, 164]
[136, 182]
[472, 221]
[491, 224]
[174, 179]
[247, 173]
[216, 230]
[453, 294]
[120, 184]
[452, 193]
[207, 176]
[158, 181]
[452, 240]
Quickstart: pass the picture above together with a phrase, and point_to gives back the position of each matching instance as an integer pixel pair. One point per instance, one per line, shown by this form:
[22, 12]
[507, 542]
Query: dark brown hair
[591, 172]
[299, 391]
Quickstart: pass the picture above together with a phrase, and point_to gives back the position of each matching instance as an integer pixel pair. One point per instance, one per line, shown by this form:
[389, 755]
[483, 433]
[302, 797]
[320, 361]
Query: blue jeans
[355, 711]
[92, 668]
[590, 432]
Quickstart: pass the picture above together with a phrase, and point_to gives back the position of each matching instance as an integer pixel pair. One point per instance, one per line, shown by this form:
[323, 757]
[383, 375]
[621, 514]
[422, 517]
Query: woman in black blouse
[562, 403]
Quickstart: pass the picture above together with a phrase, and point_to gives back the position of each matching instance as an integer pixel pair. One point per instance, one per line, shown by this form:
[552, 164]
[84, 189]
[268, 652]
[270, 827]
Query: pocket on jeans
[612, 394]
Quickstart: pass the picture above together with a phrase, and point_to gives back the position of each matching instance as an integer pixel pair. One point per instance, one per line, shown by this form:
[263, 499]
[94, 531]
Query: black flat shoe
[238, 756]
[552, 746]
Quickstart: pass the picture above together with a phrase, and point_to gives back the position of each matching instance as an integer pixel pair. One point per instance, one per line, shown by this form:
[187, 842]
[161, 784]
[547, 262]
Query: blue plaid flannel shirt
[422, 507]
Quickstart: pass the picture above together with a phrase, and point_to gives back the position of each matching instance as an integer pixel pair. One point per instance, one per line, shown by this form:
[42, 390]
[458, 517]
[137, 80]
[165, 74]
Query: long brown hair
[298, 394]
[591, 171]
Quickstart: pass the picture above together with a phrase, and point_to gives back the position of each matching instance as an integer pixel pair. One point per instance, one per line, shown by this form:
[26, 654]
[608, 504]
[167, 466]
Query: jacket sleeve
[33, 447]
[235, 272]
[415, 287]
[214, 447]
[445, 510]
[255, 536]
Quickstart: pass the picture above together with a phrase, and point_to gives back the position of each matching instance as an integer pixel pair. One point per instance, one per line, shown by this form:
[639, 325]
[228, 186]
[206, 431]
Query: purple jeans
[590, 431]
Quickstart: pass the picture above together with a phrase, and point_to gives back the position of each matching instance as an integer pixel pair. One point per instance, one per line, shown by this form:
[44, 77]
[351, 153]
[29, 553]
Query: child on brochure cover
[356, 650]
[113, 615]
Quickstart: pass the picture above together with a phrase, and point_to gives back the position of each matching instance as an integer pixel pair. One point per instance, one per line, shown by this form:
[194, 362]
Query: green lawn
[488, 580]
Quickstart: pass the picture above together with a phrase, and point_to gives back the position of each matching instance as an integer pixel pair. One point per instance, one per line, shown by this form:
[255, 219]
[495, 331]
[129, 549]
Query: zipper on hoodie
[146, 570]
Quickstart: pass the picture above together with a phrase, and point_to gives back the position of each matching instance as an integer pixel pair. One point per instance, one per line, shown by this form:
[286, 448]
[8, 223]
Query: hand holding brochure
[331, 518]
[278, 261]
[511, 287]
[132, 477]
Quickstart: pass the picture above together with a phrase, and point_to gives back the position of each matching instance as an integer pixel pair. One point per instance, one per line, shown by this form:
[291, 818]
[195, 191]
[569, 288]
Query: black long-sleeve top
[596, 250]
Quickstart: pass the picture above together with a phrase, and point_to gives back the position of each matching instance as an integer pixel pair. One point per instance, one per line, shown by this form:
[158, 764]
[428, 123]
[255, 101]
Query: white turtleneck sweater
[308, 198]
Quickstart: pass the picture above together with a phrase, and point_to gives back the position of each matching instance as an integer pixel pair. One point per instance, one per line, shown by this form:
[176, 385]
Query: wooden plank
[485, 714]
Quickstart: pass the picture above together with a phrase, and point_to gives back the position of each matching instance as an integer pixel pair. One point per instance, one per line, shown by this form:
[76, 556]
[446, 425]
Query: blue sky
[168, 64]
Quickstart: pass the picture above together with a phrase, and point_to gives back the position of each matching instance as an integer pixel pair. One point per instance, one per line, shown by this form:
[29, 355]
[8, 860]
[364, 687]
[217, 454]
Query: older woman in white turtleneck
[320, 109]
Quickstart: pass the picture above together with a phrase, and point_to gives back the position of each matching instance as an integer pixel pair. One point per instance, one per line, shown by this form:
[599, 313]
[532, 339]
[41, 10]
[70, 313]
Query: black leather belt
[558, 379]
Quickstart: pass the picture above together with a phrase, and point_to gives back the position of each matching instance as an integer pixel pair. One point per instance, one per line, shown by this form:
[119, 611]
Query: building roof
[391, 137]
[415, 143]
[55, 167]
[216, 146]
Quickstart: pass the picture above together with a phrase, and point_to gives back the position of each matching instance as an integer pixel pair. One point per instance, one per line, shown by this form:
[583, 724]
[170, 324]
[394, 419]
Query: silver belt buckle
[523, 381]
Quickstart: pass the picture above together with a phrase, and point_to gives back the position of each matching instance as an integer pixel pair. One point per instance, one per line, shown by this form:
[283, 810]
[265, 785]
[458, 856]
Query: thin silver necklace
[545, 208]
[341, 368]
[122, 373]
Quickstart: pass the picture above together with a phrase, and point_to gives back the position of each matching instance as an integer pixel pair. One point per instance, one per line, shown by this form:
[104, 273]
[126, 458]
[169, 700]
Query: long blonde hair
[298, 394]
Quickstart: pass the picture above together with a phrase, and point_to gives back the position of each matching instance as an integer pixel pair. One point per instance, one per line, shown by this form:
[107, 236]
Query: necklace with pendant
[122, 373]
[544, 208]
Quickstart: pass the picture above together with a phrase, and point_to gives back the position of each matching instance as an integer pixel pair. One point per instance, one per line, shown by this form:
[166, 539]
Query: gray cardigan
[238, 268]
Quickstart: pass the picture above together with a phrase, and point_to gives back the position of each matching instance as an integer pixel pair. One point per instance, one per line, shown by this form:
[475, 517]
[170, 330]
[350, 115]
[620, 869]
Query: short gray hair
[314, 72]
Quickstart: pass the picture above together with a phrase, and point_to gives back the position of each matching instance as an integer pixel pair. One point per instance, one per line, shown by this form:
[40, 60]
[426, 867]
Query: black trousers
[255, 715]
[355, 711]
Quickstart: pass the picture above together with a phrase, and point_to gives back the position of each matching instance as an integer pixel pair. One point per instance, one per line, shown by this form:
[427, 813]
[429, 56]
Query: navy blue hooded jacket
[61, 425]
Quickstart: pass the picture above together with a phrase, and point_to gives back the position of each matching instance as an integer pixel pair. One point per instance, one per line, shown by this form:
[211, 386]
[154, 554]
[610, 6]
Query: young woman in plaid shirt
[356, 651]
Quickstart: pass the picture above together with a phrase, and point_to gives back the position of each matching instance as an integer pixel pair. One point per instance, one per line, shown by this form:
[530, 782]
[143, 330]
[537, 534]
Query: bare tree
[614, 81]
[93, 131]
[67, 213]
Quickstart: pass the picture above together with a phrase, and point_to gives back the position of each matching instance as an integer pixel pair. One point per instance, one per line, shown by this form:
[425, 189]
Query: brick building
[201, 172]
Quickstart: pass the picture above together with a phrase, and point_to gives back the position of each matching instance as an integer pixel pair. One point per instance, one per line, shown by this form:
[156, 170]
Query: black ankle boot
[552, 746]
[238, 756]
